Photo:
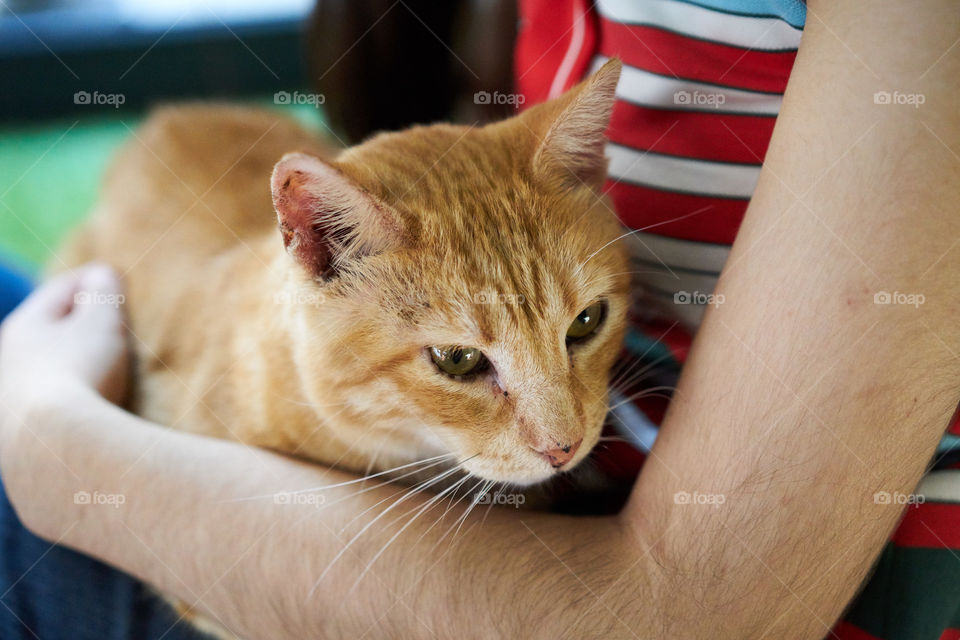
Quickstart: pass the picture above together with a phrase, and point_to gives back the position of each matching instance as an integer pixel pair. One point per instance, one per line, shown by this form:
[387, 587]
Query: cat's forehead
[480, 229]
[459, 188]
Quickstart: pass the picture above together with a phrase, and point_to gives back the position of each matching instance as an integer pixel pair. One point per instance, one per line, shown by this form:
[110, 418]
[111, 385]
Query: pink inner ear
[310, 198]
[572, 151]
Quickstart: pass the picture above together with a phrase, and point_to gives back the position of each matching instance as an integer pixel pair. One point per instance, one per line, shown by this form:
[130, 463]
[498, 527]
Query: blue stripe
[646, 347]
[793, 12]
[949, 442]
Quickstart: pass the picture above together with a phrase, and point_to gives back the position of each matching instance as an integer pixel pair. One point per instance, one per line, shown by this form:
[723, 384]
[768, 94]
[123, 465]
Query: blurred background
[77, 76]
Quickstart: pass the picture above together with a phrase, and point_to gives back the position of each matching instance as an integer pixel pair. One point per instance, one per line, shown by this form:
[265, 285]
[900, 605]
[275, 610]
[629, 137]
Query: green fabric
[50, 173]
[912, 595]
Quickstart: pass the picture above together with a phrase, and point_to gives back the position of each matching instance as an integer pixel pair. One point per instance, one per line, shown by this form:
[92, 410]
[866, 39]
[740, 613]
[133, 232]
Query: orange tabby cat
[441, 290]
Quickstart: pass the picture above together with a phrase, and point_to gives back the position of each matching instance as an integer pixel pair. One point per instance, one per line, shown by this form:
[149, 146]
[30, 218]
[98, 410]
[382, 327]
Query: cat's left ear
[326, 219]
[570, 151]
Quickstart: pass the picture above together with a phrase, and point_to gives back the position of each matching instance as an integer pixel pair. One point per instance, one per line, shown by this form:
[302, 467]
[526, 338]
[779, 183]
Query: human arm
[801, 399]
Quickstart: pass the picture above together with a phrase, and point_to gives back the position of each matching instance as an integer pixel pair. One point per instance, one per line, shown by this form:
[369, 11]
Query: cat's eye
[586, 322]
[458, 361]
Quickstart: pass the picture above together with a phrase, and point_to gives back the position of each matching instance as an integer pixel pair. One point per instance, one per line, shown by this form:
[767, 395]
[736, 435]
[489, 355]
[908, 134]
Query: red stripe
[950, 634]
[954, 427]
[694, 134]
[931, 525]
[640, 207]
[670, 334]
[846, 631]
[680, 56]
[545, 33]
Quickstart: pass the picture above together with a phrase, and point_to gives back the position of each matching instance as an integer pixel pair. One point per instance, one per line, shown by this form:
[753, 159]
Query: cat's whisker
[627, 384]
[409, 493]
[463, 516]
[416, 489]
[413, 489]
[643, 394]
[473, 505]
[432, 502]
[312, 405]
[630, 374]
[603, 439]
[374, 505]
[453, 502]
[489, 506]
[434, 460]
[376, 454]
[633, 231]
[623, 273]
[629, 367]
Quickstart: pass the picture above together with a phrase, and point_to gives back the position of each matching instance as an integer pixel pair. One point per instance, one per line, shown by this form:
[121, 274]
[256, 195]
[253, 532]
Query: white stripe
[677, 252]
[706, 24]
[658, 277]
[562, 77]
[662, 252]
[632, 423]
[941, 486]
[645, 88]
[682, 174]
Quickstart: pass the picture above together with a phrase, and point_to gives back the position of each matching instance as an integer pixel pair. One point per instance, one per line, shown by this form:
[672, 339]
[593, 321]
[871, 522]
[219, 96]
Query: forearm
[803, 397]
[186, 525]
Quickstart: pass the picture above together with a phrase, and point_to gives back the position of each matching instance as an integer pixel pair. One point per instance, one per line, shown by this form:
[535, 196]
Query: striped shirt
[698, 97]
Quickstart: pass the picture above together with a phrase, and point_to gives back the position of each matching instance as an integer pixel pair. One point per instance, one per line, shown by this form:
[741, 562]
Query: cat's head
[471, 288]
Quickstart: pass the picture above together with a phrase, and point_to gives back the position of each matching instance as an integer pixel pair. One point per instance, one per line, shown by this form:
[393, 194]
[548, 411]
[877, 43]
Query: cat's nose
[561, 454]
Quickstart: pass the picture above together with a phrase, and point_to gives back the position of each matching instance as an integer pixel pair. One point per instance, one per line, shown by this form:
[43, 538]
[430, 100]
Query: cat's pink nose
[561, 455]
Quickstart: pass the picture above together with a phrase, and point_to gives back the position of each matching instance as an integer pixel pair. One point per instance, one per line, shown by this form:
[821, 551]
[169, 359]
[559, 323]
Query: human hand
[68, 332]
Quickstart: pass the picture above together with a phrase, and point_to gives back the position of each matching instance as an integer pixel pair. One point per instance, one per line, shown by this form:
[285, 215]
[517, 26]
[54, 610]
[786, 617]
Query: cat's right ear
[325, 219]
[570, 152]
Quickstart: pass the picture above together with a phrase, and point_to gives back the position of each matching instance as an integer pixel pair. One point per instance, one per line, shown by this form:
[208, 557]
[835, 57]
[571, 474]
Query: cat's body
[186, 218]
[317, 340]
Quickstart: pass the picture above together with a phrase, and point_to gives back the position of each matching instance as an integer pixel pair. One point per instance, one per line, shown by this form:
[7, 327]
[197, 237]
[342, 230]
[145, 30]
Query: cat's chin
[519, 475]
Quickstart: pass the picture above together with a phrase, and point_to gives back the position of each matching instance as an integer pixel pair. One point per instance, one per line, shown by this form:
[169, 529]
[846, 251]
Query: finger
[98, 294]
[51, 300]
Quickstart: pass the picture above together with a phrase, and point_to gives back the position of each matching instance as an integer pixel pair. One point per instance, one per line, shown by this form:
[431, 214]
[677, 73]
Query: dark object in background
[73, 56]
[388, 64]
